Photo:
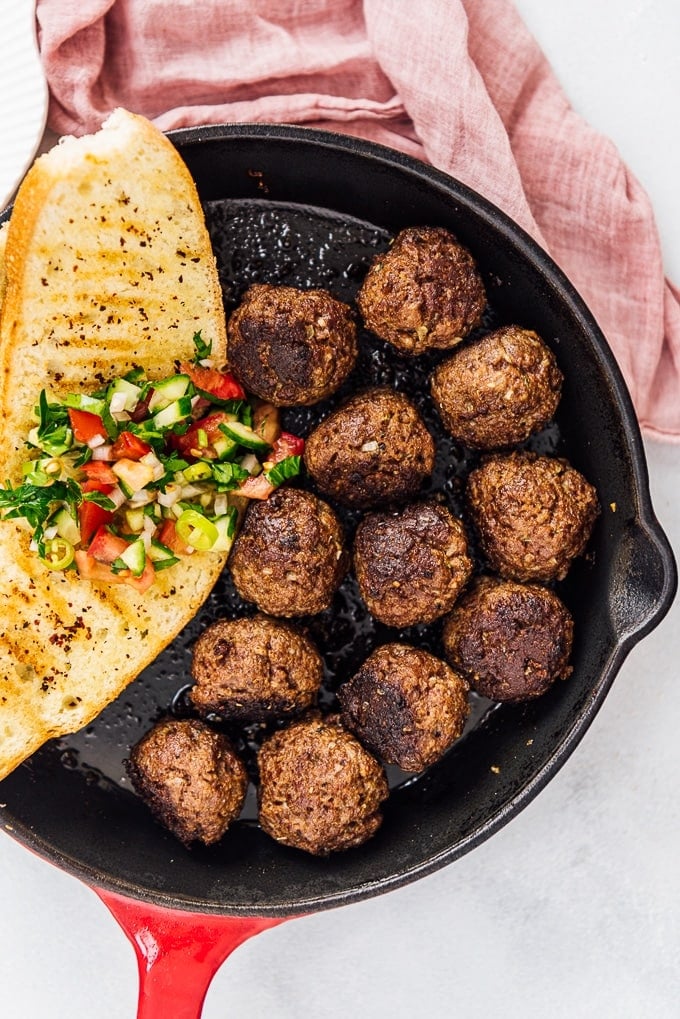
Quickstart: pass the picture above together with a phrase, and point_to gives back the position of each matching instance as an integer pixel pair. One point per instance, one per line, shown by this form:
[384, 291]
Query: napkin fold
[461, 84]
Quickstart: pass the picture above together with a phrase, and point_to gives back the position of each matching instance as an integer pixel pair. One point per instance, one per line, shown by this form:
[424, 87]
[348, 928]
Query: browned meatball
[511, 641]
[411, 565]
[373, 449]
[405, 705]
[291, 346]
[190, 777]
[533, 514]
[289, 558]
[498, 390]
[319, 789]
[253, 669]
[424, 293]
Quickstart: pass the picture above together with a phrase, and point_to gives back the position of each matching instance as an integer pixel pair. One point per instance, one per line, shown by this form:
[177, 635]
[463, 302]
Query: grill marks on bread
[108, 265]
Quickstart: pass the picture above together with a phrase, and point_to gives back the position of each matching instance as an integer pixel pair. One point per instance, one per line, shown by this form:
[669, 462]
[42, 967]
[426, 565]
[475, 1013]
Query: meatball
[411, 565]
[289, 558]
[190, 777]
[291, 346]
[511, 641]
[534, 514]
[253, 669]
[424, 293]
[374, 448]
[405, 705]
[498, 390]
[319, 789]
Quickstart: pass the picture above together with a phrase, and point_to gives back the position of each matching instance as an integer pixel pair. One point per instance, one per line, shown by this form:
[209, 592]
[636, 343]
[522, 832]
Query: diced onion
[96, 441]
[221, 504]
[101, 452]
[51, 532]
[141, 498]
[191, 491]
[117, 403]
[250, 463]
[117, 496]
[171, 495]
[151, 460]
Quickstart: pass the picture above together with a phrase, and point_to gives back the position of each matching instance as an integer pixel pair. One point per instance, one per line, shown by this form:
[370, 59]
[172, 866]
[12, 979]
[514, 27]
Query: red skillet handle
[178, 953]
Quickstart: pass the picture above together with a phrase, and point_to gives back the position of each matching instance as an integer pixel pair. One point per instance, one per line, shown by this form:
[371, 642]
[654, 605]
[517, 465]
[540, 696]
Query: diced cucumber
[161, 556]
[167, 391]
[134, 518]
[224, 447]
[173, 413]
[81, 401]
[129, 390]
[67, 526]
[134, 557]
[245, 436]
[226, 530]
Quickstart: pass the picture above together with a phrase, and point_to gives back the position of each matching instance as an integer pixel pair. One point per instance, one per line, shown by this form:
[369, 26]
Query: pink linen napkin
[459, 83]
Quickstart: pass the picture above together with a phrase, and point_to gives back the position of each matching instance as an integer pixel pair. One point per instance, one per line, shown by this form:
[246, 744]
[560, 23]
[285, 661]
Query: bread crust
[68, 646]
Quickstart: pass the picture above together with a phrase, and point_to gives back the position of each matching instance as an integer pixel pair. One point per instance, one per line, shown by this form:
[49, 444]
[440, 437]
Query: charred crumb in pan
[290, 346]
[320, 790]
[372, 449]
[499, 389]
[424, 293]
[190, 777]
[533, 514]
[411, 564]
[405, 705]
[254, 669]
[510, 640]
[289, 558]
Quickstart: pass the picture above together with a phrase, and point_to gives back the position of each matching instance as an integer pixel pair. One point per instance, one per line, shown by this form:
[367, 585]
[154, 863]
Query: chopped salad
[123, 482]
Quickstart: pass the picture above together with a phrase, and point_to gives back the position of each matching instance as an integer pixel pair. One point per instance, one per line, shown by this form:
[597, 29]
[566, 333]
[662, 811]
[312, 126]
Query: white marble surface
[573, 909]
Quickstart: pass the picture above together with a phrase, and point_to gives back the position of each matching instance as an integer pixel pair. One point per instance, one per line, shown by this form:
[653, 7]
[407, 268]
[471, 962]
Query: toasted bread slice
[108, 265]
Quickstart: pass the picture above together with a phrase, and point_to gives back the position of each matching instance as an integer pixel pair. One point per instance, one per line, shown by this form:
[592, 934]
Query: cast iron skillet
[300, 206]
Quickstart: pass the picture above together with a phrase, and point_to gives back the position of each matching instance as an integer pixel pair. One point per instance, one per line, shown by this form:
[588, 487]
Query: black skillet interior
[288, 205]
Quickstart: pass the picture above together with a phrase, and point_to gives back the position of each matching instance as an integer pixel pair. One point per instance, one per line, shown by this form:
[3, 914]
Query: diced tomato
[97, 470]
[286, 445]
[100, 477]
[223, 385]
[199, 440]
[129, 447]
[256, 488]
[106, 547]
[96, 486]
[86, 425]
[90, 518]
[168, 536]
[91, 569]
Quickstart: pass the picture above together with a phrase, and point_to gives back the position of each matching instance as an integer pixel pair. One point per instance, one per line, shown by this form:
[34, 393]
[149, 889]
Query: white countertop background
[573, 909]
